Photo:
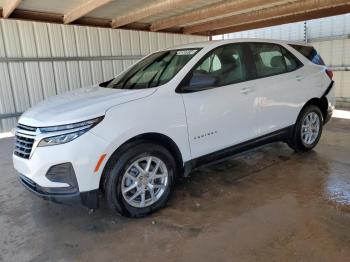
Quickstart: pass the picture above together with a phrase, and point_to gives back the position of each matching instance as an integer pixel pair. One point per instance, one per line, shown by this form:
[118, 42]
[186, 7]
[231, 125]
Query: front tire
[140, 180]
[307, 130]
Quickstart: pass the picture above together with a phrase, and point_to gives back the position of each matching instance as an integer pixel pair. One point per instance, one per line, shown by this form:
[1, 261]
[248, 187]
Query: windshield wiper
[151, 80]
[128, 79]
[161, 72]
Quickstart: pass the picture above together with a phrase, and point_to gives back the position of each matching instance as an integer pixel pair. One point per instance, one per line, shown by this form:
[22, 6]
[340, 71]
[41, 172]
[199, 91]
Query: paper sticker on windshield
[186, 52]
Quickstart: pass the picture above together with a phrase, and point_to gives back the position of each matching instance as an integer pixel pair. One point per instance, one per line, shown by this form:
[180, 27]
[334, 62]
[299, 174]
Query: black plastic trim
[45, 191]
[329, 88]
[89, 198]
[218, 156]
[63, 173]
[329, 109]
[328, 116]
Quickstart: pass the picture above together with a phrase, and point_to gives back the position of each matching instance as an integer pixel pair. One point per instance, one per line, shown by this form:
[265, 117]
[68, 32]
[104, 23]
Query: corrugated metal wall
[292, 32]
[317, 28]
[329, 35]
[329, 26]
[38, 60]
[336, 54]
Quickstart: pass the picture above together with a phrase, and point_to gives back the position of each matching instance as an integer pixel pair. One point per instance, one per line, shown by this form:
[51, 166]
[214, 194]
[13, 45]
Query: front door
[219, 102]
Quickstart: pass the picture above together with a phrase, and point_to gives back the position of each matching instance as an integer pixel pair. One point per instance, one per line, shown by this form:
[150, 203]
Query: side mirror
[106, 83]
[200, 82]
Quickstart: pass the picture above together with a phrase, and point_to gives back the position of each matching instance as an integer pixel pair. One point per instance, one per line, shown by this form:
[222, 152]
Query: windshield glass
[155, 70]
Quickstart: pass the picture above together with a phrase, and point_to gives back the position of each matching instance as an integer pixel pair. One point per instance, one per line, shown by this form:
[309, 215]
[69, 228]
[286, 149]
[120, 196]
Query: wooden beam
[9, 6]
[223, 8]
[29, 15]
[37, 16]
[149, 10]
[83, 9]
[338, 10]
[261, 15]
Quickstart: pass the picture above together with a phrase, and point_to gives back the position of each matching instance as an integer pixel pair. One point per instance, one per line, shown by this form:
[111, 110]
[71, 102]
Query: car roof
[216, 43]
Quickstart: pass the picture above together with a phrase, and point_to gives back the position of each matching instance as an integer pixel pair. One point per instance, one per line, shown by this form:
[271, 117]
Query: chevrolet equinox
[173, 111]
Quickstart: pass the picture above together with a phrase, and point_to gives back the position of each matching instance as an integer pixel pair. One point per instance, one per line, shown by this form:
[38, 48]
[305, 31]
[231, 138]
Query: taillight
[329, 73]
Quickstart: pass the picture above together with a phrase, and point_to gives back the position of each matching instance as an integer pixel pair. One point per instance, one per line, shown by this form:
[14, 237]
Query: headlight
[85, 124]
[73, 131]
[61, 139]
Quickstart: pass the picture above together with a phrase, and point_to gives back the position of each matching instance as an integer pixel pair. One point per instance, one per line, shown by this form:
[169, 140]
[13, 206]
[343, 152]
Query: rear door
[219, 101]
[317, 76]
[279, 81]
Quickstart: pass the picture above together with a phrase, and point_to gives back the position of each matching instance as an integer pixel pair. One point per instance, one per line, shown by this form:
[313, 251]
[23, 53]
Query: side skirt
[221, 155]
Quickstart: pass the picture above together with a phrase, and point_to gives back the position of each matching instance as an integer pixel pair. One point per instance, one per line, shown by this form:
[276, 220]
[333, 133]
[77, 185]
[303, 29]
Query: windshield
[155, 70]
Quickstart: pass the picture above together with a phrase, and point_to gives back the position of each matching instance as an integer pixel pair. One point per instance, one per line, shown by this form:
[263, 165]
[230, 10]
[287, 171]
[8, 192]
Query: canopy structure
[201, 17]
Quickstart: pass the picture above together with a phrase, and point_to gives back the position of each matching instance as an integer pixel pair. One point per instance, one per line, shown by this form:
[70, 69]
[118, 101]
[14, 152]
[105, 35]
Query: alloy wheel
[144, 181]
[310, 128]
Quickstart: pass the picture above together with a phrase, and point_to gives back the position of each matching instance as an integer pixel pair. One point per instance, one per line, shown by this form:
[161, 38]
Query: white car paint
[79, 105]
[218, 117]
[210, 117]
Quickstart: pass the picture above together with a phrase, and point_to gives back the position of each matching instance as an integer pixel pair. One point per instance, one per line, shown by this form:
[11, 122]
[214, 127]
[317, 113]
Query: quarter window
[310, 53]
[292, 62]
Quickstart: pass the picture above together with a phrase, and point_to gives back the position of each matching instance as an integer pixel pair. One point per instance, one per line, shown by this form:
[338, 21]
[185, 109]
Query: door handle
[299, 78]
[246, 90]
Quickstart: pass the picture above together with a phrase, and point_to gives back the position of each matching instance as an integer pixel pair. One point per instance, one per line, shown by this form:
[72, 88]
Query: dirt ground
[269, 204]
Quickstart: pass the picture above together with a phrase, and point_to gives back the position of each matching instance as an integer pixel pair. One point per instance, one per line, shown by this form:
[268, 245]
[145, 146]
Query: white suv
[171, 112]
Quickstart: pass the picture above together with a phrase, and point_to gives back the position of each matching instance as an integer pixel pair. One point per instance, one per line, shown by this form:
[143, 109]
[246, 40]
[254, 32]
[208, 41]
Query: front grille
[26, 128]
[23, 146]
[24, 140]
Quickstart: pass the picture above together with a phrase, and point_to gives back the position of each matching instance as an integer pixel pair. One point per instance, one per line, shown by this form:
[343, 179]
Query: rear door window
[268, 59]
[272, 59]
[310, 53]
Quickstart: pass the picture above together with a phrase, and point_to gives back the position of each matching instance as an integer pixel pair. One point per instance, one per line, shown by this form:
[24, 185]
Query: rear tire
[307, 130]
[140, 179]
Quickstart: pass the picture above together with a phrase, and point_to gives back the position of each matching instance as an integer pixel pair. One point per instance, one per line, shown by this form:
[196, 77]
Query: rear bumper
[330, 95]
[329, 115]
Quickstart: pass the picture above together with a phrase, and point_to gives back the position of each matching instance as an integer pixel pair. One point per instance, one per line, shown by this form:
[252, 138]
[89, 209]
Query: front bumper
[46, 192]
[88, 199]
[82, 153]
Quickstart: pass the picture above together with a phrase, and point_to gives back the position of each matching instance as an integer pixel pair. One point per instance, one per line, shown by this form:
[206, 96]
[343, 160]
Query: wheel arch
[158, 138]
[321, 103]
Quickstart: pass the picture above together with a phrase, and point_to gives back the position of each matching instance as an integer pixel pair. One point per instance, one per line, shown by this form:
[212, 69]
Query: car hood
[79, 105]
